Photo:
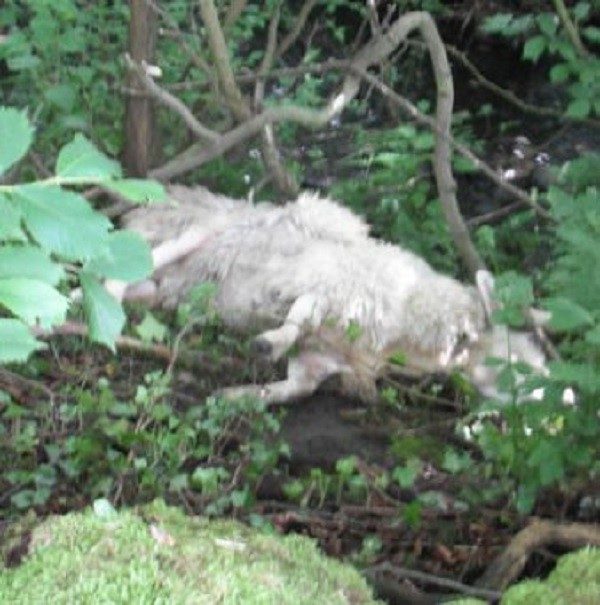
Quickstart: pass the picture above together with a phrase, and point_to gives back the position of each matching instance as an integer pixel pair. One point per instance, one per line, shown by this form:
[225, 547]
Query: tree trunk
[140, 136]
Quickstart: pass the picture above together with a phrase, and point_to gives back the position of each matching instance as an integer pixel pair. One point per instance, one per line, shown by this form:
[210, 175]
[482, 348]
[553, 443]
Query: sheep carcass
[303, 274]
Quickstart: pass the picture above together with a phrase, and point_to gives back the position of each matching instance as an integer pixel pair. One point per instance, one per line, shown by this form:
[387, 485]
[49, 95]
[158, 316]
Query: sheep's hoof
[261, 347]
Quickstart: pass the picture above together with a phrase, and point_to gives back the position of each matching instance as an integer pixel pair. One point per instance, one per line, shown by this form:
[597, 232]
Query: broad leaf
[579, 108]
[33, 301]
[30, 262]
[138, 190]
[62, 221]
[547, 458]
[151, 329]
[566, 314]
[62, 95]
[10, 225]
[80, 159]
[534, 47]
[127, 258]
[593, 336]
[104, 314]
[16, 134]
[16, 341]
[581, 375]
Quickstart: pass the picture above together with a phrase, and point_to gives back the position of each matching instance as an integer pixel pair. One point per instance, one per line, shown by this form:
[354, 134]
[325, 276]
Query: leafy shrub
[545, 36]
[60, 57]
[51, 237]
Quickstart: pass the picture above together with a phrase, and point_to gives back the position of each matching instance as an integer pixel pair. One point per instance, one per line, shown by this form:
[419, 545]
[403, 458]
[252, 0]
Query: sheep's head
[500, 342]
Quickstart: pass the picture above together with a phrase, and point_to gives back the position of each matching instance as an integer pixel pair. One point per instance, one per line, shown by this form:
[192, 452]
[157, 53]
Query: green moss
[574, 581]
[159, 555]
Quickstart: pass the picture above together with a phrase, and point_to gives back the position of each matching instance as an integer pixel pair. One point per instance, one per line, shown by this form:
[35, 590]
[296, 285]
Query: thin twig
[421, 576]
[495, 215]
[292, 36]
[299, 70]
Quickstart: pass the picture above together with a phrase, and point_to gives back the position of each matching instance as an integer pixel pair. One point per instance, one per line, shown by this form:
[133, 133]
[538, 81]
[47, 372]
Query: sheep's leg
[305, 373]
[305, 313]
[164, 254]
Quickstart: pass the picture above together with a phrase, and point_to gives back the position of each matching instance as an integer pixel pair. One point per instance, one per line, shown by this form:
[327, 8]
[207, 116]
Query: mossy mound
[574, 581]
[157, 555]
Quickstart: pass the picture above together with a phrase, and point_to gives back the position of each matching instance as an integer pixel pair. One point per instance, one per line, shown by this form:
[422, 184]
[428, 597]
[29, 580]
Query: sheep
[308, 274]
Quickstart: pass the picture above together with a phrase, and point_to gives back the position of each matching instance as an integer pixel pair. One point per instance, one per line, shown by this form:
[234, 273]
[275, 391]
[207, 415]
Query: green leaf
[579, 108]
[127, 258]
[534, 47]
[525, 499]
[61, 95]
[593, 336]
[33, 301]
[16, 134]
[62, 221]
[463, 165]
[546, 457]
[151, 329]
[80, 159]
[592, 34]
[10, 225]
[407, 474]
[353, 331]
[581, 10]
[566, 314]
[104, 314]
[548, 23]
[398, 358]
[581, 375]
[138, 190]
[497, 23]
[22, 62]
[455, 462]
[16, 341]
[30, 262]
[559, 72]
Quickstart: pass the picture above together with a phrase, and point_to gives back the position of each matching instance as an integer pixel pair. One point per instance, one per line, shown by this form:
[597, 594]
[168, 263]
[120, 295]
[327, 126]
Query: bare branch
[508, 565]
[292, 36]
[284, 180]
[382, 47]
[171, 101]
[196, 155]
[220, 54]
[268, 58]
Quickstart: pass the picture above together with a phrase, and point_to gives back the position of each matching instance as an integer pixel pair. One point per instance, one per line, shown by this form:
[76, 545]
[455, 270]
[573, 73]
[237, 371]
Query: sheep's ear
[485, 285]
